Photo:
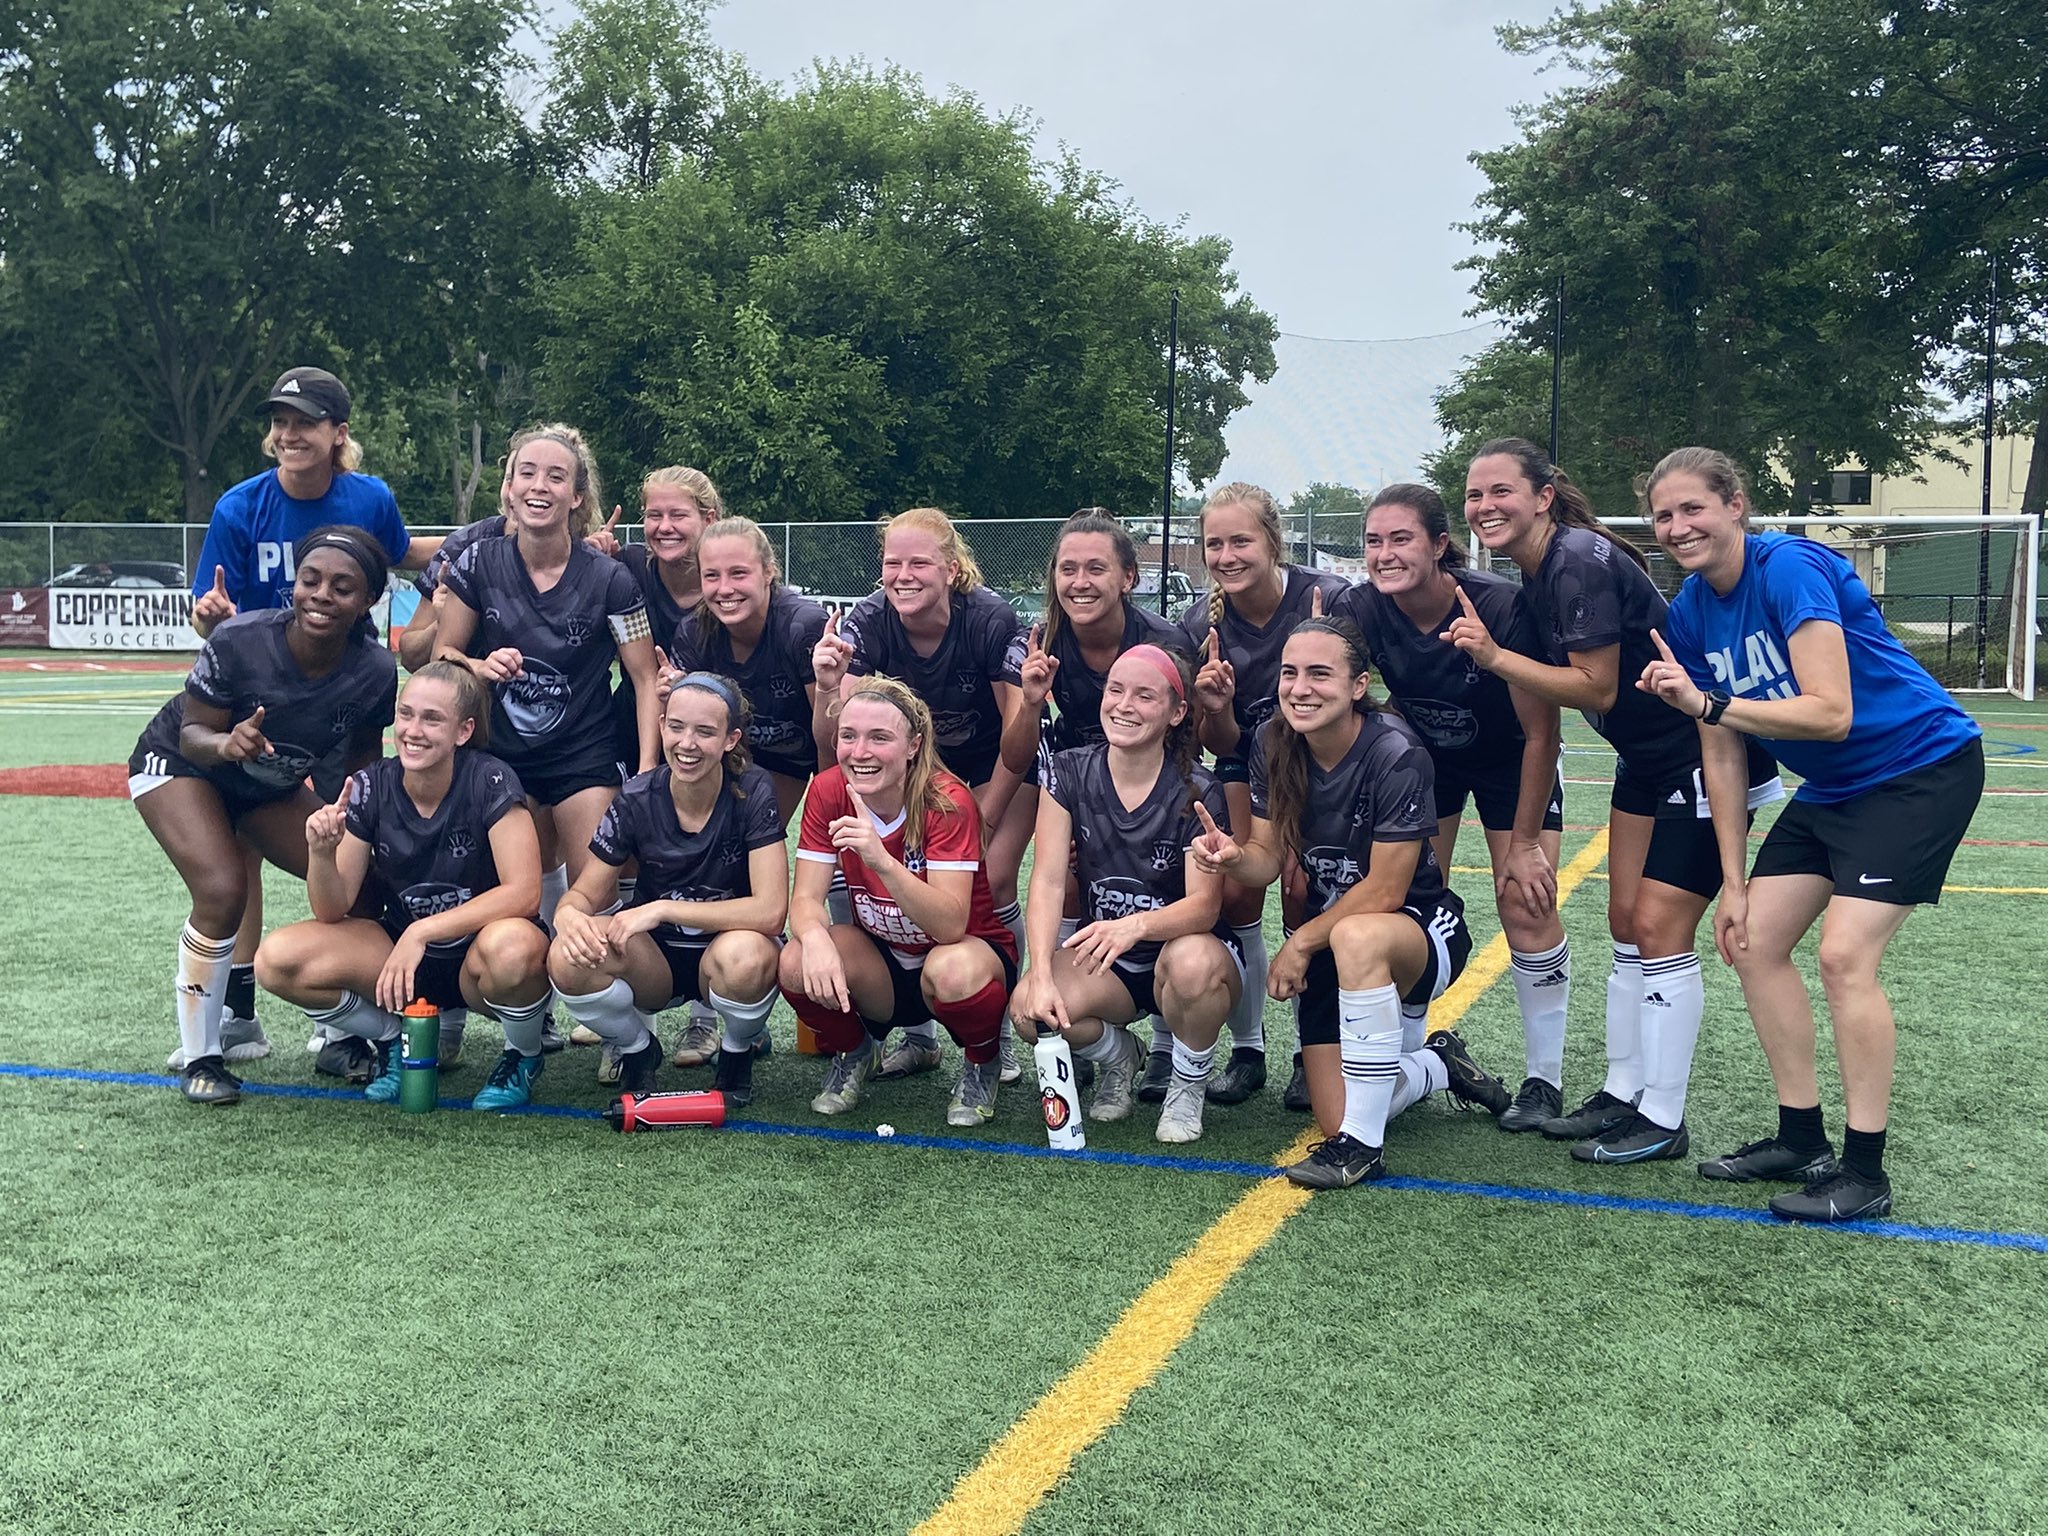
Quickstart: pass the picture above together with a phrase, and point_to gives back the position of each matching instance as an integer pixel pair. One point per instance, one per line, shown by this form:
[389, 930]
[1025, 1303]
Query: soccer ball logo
[1057, 1110]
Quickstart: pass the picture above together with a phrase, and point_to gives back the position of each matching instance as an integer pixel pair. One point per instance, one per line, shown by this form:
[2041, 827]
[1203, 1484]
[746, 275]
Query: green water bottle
[419, 1062]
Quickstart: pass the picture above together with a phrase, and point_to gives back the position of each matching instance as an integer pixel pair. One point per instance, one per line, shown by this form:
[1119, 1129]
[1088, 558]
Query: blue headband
[712, 683]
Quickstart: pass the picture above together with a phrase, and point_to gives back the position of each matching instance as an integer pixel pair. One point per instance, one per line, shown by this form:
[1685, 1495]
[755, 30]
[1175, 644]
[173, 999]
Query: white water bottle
[1057, 1093]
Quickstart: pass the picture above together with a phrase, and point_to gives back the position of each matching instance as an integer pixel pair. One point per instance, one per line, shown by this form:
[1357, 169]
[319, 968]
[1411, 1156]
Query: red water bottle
[665, 1111]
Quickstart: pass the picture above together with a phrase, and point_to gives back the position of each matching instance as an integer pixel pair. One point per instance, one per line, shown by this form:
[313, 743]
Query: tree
[1715, 239]
[638, 87]
[861, 297]
[1329, 516]
[195, 194]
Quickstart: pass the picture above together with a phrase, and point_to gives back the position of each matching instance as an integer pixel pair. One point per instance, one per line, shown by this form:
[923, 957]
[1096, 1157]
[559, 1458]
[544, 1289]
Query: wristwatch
[1717, 703]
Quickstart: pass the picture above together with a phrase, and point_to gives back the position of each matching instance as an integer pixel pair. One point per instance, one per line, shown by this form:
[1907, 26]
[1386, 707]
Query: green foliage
[865, 297]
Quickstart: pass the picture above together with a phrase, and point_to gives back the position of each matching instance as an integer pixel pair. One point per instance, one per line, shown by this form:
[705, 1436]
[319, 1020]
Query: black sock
[1863, 1153]
[1801, 1129]
[241, 998]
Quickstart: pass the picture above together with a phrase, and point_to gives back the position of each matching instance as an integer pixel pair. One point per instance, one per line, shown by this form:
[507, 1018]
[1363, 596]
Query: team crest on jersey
[432, 896]
[577, 630]
[536, 701]
[967, 679]
[1332, 870]
[345, 718]
[1163, 854]
[783, 686]
[914, 862]
[1578, 612]
[1119, 896]
[460, 843]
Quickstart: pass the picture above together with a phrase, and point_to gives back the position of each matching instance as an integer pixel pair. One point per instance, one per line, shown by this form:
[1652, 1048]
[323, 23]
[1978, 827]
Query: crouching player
[1154, 940]
[1349, 791]
[925, 942]
[444, 830]
[709, 904]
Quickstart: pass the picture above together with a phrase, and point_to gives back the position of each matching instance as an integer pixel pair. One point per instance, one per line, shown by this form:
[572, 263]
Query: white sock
[1189, 1064]
[200, 990]
[554, 885]
[629, 888]
[1369, 1040]
[1674, 996]
[1102, 1048]
[1012, 918]
[610, 1014]
[521, 1022]
[1247, 1021]
[1543, 990]
[1162, 1037]
[1625, 1024]
[1422, 1073]
[357, 1015]
[1414, 1028]
[744, 1022]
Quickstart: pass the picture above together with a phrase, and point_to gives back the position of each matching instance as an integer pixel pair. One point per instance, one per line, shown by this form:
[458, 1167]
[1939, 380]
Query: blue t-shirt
[256, 525]
[1903, 720]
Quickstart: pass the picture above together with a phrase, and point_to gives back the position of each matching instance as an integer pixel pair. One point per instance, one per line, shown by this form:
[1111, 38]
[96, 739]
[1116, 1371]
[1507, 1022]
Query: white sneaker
[240, 1040]
[1116, 1079]
[1180, 1117]
[845, 1079]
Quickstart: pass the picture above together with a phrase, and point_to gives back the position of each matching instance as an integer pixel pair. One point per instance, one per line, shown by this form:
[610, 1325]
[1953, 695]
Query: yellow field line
[1021, 1468]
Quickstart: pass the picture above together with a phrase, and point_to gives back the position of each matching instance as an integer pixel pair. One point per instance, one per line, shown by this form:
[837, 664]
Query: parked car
[120, 573]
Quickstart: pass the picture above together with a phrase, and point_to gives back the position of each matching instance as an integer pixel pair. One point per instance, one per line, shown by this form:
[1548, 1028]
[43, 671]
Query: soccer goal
[1961, 591]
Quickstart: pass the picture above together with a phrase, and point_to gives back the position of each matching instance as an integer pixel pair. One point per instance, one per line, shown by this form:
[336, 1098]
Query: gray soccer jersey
[1077, 689]
[430, 864]
[709, 864]
[983, 645]
[1253, 650]
[773, 678]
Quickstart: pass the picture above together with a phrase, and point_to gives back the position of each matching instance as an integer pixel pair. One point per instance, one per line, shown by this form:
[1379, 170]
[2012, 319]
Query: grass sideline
[308, 1314]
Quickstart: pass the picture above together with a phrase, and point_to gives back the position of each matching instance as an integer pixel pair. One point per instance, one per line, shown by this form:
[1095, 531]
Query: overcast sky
[1327, 141]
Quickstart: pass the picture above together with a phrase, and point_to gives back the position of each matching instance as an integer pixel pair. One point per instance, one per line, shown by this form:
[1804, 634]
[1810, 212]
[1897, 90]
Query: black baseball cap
[311, 392]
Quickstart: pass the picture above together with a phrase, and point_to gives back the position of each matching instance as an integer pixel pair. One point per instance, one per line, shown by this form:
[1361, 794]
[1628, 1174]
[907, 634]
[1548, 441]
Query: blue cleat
[510, 1085]
[383, 1087]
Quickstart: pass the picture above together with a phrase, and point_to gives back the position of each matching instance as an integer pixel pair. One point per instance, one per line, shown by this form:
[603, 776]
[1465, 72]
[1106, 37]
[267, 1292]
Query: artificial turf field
[306, 1313]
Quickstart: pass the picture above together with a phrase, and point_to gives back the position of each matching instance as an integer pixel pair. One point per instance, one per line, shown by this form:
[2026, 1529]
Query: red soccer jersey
[950, 842]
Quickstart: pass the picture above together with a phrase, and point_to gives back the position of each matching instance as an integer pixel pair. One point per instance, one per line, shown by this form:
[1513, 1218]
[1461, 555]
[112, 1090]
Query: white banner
[121, 619]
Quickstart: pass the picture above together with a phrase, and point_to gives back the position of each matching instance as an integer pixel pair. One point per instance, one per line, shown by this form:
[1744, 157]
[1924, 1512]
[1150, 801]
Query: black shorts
[1450, 946]
[156, 760]
[439, 977]
[1892, 844]
[972, 766]
[1139, 982]
[550, 781]
[910, 1008]
[1496, 791]
[685, 957]
[1683, 852]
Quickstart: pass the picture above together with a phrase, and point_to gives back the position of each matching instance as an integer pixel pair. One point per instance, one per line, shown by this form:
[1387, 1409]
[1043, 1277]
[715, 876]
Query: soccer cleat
[584, 1035]
[510, 1085]
[699, 1044]
[240, 1040]
[608, 1059]
[1597, 1116]
[1242, 1076]
[1770, 1159]
[351, 1058]
[844, 1080]
[1536, 1102]
[383, 1087]
[1158, 1077]
[1180, 1120]
[733, 1075]
[551, 1038]
[1843, 1196]
[208, 1081]
[912, 1056]
[1116, 1078]
[974, 1096]
[1338, 1163]
[1296, 1097]
[1470, 1082]
[1638, 1139]
[450, 1047]
[638, 1069]
[1009, 1068]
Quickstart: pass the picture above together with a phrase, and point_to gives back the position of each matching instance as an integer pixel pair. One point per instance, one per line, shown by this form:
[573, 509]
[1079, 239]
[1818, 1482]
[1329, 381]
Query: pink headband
[1163, 662]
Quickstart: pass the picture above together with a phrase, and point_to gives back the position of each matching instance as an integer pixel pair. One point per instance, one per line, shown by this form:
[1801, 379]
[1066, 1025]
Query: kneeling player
[1349, 791]
[1154, 941]
[925, 942]
[443, 827]
[709, 904]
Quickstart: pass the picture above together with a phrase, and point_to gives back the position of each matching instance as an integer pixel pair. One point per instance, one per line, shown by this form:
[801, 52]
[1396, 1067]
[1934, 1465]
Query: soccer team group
[544, 839]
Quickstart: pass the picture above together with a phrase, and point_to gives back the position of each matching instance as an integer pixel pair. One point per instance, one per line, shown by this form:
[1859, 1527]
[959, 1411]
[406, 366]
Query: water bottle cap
[420, 1008]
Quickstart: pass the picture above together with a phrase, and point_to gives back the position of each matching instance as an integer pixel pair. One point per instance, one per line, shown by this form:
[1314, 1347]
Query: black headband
[359, 546]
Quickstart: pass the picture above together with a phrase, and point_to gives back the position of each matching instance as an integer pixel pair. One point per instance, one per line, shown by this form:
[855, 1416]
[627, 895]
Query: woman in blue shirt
[1775, 638]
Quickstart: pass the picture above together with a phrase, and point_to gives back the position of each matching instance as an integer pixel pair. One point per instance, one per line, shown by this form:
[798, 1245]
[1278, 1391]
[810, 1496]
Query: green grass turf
[322, 1316]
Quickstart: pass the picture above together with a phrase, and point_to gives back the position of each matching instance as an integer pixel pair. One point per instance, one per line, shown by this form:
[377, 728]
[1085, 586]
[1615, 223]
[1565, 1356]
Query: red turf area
[94, 781]
[124, 664]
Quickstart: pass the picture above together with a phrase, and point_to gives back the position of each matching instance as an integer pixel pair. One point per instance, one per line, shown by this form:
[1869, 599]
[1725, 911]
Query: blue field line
[2025, 1242]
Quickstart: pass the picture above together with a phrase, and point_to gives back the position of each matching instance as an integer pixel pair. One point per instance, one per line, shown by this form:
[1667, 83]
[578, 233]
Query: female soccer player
[275, 694]
[1348, 791]
[1593, 606]
[443, 832]
[1255, 600]
[1487, 741]
[539, 617]
[959, 646]
[678, 504]
[925, 942]
[709, 903]
[1154, 941]
[1776, 638]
